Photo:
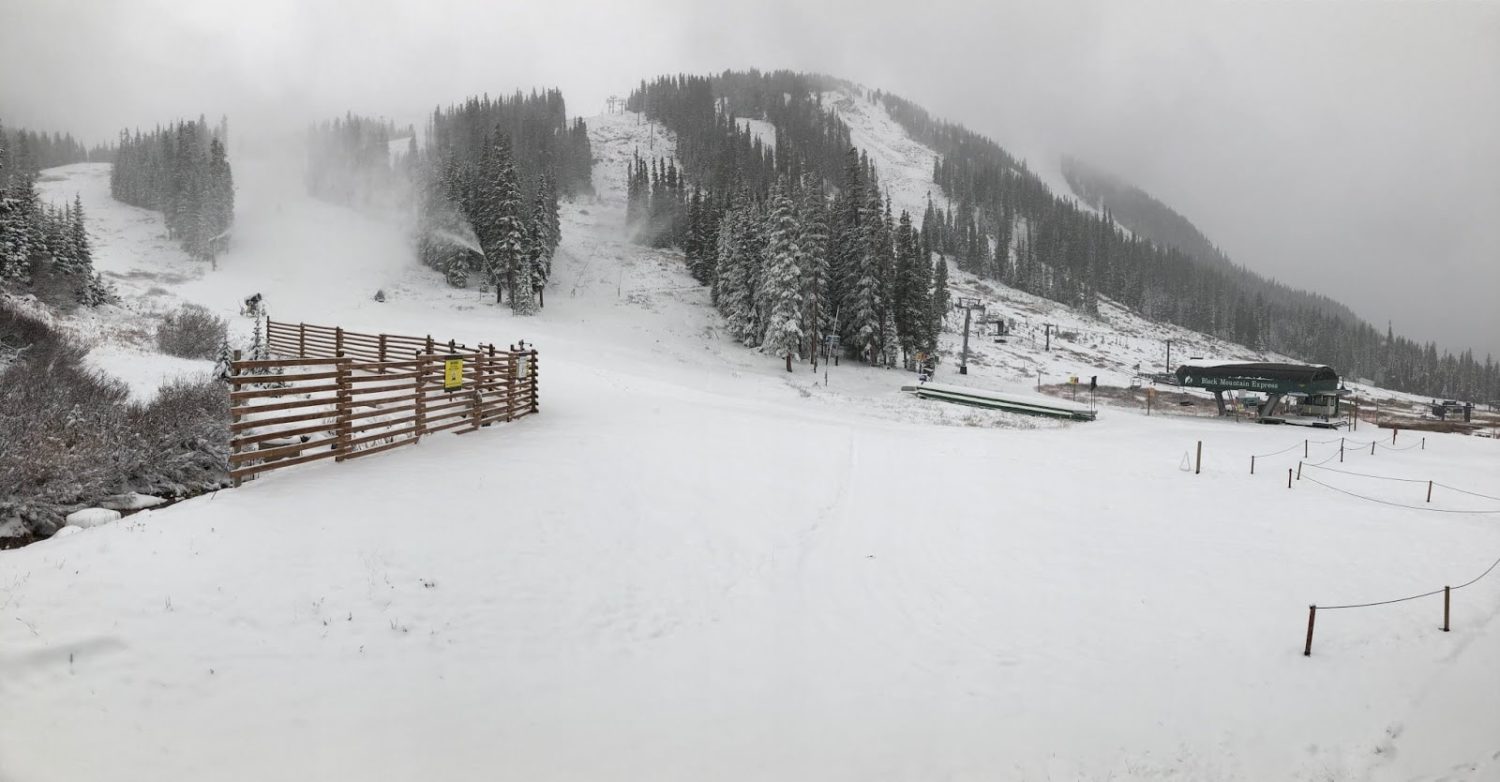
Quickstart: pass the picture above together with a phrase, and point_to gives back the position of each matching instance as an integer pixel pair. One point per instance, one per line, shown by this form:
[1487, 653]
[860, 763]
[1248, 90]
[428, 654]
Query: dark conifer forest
[1165, 269]
[720, 202]
[182, 171]
[44, 248]
[797, 242]
[484, 186]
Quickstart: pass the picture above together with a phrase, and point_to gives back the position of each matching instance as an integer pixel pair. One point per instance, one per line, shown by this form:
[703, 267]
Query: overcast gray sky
[1352, 148]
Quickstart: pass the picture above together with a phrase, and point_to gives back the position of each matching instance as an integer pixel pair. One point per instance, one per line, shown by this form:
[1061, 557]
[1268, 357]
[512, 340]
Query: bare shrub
[69, 437]
[191, 332]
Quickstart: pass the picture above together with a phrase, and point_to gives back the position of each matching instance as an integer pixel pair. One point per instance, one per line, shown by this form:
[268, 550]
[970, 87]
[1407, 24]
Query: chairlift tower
[968, 305]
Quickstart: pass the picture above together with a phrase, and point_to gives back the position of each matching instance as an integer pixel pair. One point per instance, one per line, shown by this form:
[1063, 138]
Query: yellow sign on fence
[453, 373]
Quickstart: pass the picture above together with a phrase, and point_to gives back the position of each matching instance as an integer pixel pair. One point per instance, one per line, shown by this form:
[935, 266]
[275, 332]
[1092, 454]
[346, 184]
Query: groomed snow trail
[691, 565]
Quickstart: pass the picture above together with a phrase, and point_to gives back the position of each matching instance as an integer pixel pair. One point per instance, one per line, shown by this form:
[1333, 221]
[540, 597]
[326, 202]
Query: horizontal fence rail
[335, 394]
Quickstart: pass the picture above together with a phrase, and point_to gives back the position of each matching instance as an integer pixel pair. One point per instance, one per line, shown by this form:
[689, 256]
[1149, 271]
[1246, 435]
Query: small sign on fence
[453, 373]
[522, 365]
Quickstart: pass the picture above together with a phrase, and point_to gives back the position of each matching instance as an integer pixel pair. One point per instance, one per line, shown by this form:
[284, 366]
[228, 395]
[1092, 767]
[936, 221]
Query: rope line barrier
[1274, 453]
[1465, 491]
[1330, 458]
[1470, 582]
[1367, 475]
[1398, 504]
[1381, 602]
[1481, 575]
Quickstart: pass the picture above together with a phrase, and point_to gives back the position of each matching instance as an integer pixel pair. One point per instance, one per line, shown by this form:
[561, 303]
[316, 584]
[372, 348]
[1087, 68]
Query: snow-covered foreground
[695, 566]
[653, 581]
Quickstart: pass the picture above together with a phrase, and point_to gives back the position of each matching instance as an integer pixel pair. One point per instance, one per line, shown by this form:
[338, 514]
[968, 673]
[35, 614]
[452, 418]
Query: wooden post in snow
[233, 417]
[1312, 616]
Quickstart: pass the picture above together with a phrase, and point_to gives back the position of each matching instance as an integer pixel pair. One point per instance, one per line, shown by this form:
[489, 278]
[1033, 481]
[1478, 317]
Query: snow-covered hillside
[694, 565]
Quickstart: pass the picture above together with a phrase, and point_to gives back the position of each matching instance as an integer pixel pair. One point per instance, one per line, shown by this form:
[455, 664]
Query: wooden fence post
[382, 353]
[421, 396]
[338, 341]
[1394, 430]
[341, 444]
[1446, 590]
[1312, 615]
[301, 340]
[1304, 449]
[1299, 471]
[233, 417]
[486, 380]
[1372, 447]
[1252, 464]
[532, 383]
[1289, 477]
[505, 380]
[1341, 450]
[1198, 461]
[478, 393]
[1424, 443]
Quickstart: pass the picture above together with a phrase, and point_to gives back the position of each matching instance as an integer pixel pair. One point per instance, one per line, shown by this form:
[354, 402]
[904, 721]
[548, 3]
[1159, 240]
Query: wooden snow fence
[335, 394]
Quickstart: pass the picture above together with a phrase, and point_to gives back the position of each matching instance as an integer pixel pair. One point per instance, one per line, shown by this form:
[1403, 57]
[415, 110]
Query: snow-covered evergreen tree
[499, 219]
[542, 236]
[910, 294]
[813, 242]
[938, 307]
[223, 361]
[82, 253]
[738, 271]
[868, 302]
[782, 283]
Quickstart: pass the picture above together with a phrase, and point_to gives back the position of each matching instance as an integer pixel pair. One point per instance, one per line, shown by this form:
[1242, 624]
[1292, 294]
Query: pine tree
[541, 244]
[911, 303]
[813, 242]
[223, 361]
[846, 248]
[880, 264]
[939, 300]
[783, 281]
[219, 197]
[737, 269]
[83, 255]
[864, 305]
[693, 250]
[499, 212]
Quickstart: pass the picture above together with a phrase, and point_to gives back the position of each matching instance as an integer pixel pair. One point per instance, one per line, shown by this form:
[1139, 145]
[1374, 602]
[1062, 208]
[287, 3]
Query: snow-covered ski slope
[693, 565]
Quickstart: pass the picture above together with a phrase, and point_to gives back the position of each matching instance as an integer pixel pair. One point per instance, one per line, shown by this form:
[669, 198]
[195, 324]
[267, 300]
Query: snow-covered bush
[191, 332]
[70, 437]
